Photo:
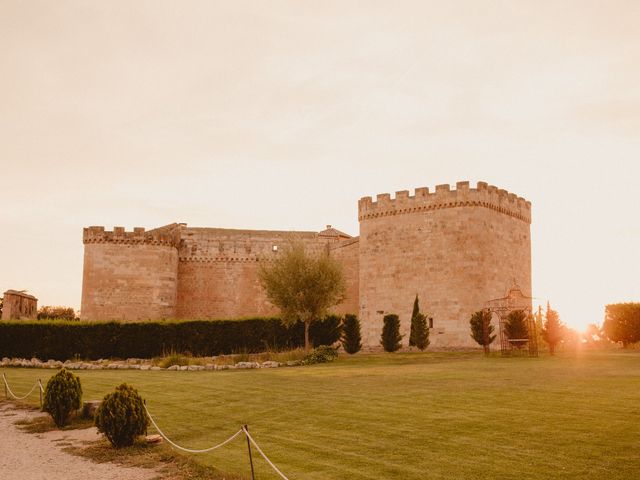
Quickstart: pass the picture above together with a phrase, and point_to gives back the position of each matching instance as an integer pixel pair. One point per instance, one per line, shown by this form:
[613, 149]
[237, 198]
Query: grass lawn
[403, 416]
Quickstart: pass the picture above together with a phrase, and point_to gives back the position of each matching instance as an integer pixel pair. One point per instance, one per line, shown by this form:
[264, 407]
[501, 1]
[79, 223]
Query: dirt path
[28, 456]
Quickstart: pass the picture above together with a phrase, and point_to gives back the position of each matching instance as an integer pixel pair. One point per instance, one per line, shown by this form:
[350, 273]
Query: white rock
[247, 365]
[270, 364]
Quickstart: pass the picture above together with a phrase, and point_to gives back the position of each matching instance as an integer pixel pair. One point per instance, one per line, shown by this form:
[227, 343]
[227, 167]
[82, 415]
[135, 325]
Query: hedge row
[64, 340]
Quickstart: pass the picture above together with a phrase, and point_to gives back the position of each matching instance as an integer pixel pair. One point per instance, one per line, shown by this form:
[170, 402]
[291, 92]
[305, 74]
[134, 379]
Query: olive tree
[304, 287]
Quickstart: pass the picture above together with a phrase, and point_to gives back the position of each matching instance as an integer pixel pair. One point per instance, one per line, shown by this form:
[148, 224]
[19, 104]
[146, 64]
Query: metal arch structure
[502, 307]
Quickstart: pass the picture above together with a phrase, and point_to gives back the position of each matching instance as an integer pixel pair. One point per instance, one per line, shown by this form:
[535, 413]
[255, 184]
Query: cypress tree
[351, 338]
[391, 338]
[481, 329]
[516, 327]
[421, 332]
[414, 320]
[552, 330]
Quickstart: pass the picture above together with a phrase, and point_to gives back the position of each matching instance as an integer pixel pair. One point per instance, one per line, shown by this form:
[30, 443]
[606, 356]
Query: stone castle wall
[191, 273]
[129, 275]
[347, 252]
[218, 270]
[455, 249]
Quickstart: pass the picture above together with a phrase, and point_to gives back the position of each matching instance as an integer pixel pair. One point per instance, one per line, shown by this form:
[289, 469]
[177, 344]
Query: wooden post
[253, 477]
[6, 394]
[40, 391]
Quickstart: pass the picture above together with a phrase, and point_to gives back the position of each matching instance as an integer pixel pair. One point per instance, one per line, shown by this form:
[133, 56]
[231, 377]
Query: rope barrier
[14, 395]
[263, 455]
[205, 450]
[162, 434]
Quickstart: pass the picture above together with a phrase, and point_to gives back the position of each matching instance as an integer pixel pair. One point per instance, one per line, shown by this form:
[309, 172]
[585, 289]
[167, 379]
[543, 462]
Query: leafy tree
[622, 323]
[391, 338]
[303, 287]
[593, 334]
[516, 327]
[351, 338]
[553, 329]
[56, 313]
[62, 396]
[481, 329]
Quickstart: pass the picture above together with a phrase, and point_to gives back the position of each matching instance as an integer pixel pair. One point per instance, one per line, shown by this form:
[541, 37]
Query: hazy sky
[280, 115]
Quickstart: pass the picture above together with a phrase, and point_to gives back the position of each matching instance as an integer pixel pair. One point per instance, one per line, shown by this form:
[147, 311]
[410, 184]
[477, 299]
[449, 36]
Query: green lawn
[404, 416]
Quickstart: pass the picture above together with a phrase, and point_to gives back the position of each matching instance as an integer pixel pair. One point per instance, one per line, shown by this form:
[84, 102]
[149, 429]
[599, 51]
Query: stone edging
[138, 364]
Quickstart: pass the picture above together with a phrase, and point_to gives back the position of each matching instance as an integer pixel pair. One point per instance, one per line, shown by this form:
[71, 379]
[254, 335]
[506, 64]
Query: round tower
[130, 275]
[454, 248]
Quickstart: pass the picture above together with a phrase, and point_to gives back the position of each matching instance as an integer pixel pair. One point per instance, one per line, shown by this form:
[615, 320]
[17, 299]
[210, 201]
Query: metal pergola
[502, 307]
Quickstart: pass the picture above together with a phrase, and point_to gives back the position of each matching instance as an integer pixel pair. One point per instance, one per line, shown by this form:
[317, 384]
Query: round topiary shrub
[62, 396]
[121, 416]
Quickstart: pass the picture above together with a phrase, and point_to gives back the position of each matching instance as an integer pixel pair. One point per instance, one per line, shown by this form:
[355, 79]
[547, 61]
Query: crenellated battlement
[169, 235]
[484, 195]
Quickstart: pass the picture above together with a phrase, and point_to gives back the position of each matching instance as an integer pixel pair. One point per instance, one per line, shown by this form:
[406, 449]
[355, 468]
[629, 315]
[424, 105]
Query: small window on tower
[430, 322]
[274, 248]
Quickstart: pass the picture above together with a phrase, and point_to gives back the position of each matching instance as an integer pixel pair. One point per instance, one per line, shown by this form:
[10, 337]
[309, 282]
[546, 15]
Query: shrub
[391, 338]
[63, 340]
[421, 332]
[326, 331]
[351, 338]
[553, 330]
[481, 329]
[121, 416]
[173, 358]
[516, 327]
[62, 396]
[322, 354]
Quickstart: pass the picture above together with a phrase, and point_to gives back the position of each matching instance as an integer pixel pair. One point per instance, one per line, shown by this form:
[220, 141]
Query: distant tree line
[622, 323]
[57, 313]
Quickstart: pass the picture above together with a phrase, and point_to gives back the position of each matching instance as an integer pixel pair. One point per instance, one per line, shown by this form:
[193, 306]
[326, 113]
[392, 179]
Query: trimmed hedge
[64, 340]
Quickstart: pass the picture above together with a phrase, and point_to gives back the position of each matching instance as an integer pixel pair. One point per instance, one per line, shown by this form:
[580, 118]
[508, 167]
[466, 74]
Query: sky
[282, 114]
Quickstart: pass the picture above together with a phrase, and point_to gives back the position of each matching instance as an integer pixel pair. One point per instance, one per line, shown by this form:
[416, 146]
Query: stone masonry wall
[347, 252]
[129, 275]
[218, 269]
[18, 305]
[456, 249]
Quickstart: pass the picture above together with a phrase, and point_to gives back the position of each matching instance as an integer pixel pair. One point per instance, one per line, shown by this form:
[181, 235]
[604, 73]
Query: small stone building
[18, 305]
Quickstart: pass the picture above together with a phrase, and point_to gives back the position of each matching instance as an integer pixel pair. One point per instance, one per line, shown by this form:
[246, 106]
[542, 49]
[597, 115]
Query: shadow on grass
[145, 455]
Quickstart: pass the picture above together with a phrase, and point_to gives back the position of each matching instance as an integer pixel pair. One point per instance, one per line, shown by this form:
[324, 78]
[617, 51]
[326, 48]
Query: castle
[456, 249]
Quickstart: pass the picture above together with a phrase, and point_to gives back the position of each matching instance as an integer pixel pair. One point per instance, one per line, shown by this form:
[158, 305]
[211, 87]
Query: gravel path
[28, 456]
